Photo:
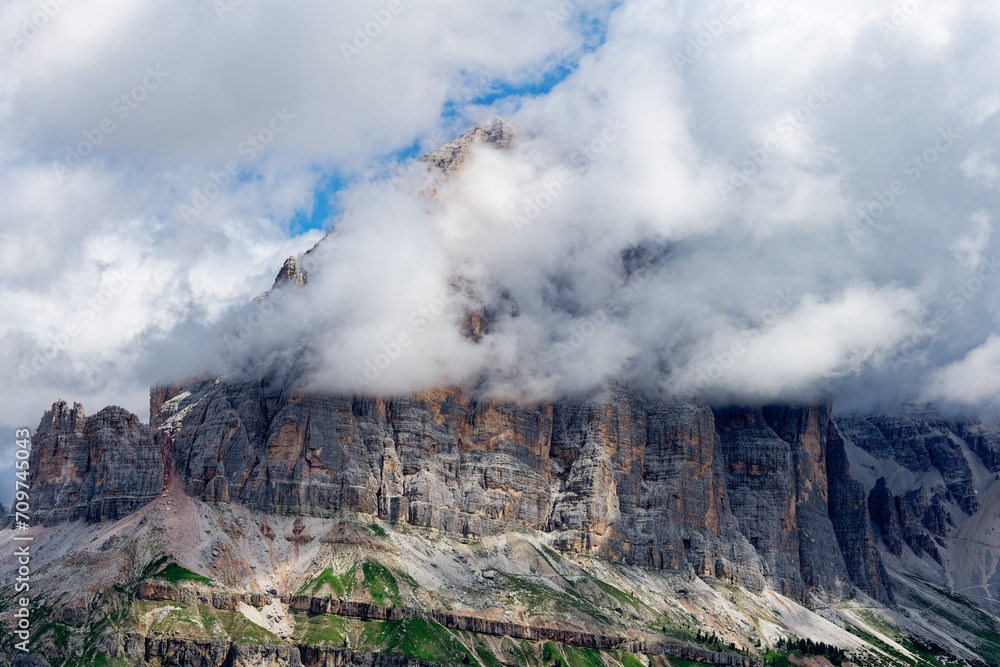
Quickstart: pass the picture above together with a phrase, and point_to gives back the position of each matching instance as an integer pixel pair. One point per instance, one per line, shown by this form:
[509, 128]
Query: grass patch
[151, 568]
[582, 657]
[204, 622]
[377, 530]
[411, 582]
[519, 649]
[776, 658]
[380, 583]
[549, 556]
[486, 655]
[237, 626]
[342, 585]
[322, 629]
[626, 598]
[897, 657]
[629, 660]
[551, 655]
[175, 574]
[544, 601]
[417, 638]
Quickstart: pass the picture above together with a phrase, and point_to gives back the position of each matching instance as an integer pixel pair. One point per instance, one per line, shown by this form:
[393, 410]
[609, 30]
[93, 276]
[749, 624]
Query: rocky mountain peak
[290, 273]
[449, 157]
[63, 418]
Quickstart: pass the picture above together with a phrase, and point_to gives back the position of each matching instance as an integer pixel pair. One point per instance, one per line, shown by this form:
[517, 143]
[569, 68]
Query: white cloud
[811, 342]
[971, 381]
[980, 168]
[969, 249]
[983, 109]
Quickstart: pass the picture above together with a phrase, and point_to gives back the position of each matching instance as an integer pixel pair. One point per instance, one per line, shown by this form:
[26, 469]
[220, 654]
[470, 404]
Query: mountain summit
[451, 155]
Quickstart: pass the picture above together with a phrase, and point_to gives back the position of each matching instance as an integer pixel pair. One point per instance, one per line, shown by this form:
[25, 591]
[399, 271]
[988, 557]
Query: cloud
[968, 250]
[980, 168]
[808, 342]
[972, 380]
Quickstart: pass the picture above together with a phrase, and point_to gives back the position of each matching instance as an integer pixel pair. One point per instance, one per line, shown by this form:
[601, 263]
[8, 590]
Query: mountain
[256, 522]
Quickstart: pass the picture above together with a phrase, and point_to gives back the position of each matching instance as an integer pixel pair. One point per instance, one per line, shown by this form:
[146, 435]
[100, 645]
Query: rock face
[95, 468]
[290, 273]
[932, 488]
[922, 443]
[615, 475]
[754, 496]
[449, 157]
[913, 518]
[30, 660]
[933, 495]
[983, 438]
[849, 513]
[798, 508]
[173, 652]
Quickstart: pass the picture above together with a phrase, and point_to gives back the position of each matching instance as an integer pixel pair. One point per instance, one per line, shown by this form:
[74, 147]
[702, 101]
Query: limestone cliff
[100, 467]
[933, 494]
[746, 495]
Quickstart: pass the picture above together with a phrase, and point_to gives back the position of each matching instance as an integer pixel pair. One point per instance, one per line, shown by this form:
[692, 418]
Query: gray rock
[983, 438]
[290, 274]
[921, 442]
[30, 660]
[761, 482]
[849, 513]
[742, 494]
[449, 157]
[101, 467]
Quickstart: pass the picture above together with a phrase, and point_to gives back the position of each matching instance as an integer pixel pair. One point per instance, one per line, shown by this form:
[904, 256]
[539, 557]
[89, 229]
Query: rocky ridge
[97, 468]
[451, 156]
[741, 494]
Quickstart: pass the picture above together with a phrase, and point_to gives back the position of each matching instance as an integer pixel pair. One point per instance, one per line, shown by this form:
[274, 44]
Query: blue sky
[500, 93]
[325, 206]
